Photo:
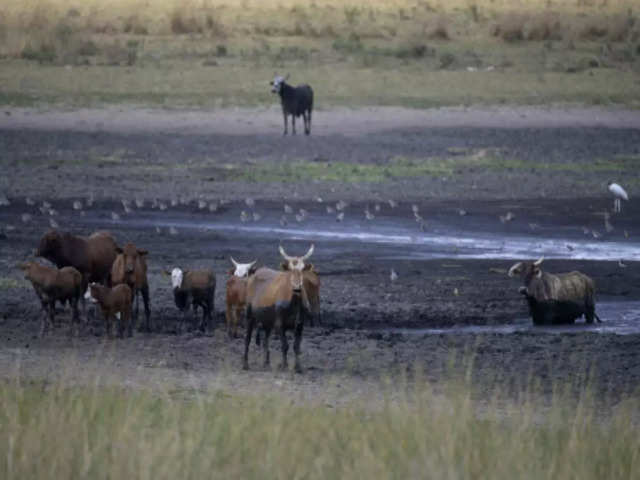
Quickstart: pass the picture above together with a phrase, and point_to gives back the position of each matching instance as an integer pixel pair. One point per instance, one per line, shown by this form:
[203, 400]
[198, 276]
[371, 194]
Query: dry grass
[61, 431]
[273, 35]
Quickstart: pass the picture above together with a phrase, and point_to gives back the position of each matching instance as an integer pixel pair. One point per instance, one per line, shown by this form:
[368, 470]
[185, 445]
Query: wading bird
[618, 193]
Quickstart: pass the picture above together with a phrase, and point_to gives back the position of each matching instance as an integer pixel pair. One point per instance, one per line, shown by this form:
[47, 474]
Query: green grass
[400, 168]
[58, 431]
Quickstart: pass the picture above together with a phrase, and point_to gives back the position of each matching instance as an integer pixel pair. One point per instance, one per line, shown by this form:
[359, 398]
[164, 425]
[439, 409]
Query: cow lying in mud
[280, 299]
[556, 299]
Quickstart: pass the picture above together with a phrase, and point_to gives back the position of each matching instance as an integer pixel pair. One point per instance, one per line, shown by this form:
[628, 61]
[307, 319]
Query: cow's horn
[514, 268]
[252, 263]
[235, 264]
[309, 253]
[284, 254]
[538, 262]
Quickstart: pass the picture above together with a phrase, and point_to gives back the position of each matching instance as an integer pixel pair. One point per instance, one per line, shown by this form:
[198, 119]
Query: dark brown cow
[280, 299]
[130, 268]
[195, 288]
[92, 256]
[556, 299]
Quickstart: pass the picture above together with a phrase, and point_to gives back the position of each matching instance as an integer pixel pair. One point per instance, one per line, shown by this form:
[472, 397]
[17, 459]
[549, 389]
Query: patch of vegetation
[126, 433]
[9, 282]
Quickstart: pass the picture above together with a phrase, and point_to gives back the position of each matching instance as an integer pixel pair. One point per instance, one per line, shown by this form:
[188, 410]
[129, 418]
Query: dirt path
[352, 122]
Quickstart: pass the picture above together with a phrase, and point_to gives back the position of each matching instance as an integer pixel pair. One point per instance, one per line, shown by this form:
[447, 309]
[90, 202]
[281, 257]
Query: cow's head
[50, 244]
[131, 255]
[527, 270]
[242, 270]
[177, 275]
[296, 265]
[92, 292]
[276, 83]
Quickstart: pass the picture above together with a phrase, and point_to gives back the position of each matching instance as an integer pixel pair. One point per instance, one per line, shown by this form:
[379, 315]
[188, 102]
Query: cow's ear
[252, 270]
[118, 250]
[537, 272]
[308, 266]
[285, 265]
[142, 252]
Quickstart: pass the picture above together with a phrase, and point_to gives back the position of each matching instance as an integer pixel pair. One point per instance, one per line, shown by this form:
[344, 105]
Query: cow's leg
[247, 339]
[126, 321]
[285, 348]
[293, 124]
[265, 345]
[309, 121]
[296, 344]
[284, 114]
[229, 313]
[136, 310]
[75, 315]
[147, 309]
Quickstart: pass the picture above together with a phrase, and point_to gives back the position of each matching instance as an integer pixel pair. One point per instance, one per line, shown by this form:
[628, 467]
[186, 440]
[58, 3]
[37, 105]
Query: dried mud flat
[356, 345]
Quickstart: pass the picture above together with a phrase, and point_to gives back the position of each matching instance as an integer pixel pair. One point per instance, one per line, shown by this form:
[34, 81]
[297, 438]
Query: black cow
[295, 101]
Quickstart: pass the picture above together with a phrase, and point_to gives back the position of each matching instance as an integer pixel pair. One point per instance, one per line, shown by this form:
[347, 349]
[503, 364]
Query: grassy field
[404, 52]
[62, 431]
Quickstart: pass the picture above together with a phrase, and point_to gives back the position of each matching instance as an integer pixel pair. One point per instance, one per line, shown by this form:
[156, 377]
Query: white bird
[30, 202]
[162, 206]
[115, 217]
[341, 205]
[174, 202]
[330, 209]
[244, 216]
[158, 230]
[213, 207]
[462, 212]
[202, 204]
[368, 215]
[173, 231]
[256, 216]
[340, 217]
[288, 209]
[618, 193]
[415, 208]
[393, 203]
[507, 217]
[394, 275]
[53, 223]
[534, 226]
[621, 264]
[139, 202]
[283, 221]
[249, 201]
[376, 207]
[89, 201]
[77, 205]
[26, 217]
[46, 205]
[299, 217]
[595, 234]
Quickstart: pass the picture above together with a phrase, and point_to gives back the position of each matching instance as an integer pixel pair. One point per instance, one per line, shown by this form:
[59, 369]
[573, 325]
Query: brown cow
[130, 267]
[92, 256]
[195, 288]
[280, 300]
[236, 295]
[51, 284]
[115, 303]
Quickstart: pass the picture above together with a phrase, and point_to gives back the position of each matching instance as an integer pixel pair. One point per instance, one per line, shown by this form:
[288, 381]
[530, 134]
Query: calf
[280, 300]
[556, 299]
[236, 294]
[115, 303]
[197, 287]
[130, 267]
[51, 284]
[296, 101]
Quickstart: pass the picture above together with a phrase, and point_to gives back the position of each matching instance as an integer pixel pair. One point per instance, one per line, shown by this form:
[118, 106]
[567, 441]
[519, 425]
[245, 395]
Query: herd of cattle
[95, 268]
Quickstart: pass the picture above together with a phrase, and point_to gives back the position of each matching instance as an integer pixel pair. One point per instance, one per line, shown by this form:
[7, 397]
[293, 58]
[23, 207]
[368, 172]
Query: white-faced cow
[236, 295]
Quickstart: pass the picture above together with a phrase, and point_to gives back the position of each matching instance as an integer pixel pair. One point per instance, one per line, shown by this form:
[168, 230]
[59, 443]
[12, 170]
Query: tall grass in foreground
[71, 432]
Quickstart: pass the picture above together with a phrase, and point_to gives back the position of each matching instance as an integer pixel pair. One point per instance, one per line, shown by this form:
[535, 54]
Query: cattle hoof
[298, 368]
[245, 366]
[283, 366]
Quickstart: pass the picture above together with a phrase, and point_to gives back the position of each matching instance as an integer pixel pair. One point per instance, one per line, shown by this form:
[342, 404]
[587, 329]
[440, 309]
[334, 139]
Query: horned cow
[556, 299]
[296, 101]
[51, 285]
[130, 268]
[236, 294]
[195, 287]
[279, 299]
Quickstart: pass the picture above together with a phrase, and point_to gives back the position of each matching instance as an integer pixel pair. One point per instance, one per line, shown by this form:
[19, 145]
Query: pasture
[155, 121]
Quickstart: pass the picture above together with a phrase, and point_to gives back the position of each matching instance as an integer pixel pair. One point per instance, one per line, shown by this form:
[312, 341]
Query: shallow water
[621, 318]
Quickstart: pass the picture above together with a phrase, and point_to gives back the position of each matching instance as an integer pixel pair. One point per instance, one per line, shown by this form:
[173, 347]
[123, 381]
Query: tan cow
[281, 299]
[236, 295]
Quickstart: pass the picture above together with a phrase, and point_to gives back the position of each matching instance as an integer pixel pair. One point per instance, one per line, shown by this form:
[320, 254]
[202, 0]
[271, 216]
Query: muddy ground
[354, 346]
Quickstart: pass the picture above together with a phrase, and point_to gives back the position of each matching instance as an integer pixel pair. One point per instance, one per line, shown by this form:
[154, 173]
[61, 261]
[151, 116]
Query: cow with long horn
[555, 299]
[281, 299]
[236, 295]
